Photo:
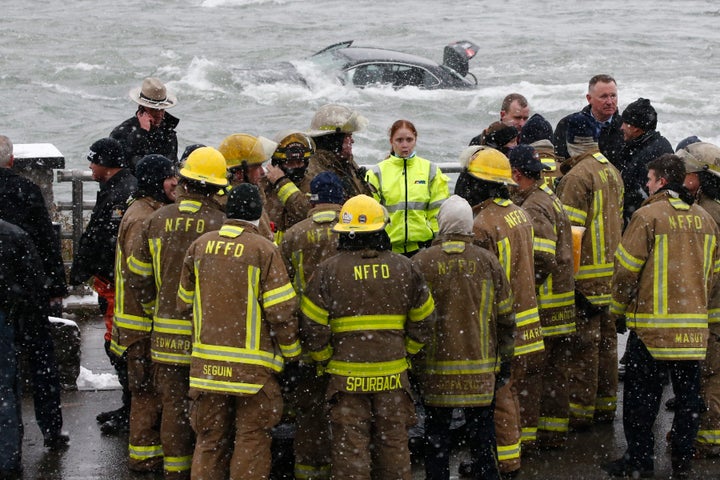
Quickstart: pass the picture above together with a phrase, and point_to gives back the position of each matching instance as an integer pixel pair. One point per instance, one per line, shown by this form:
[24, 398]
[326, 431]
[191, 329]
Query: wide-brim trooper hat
[153, 94]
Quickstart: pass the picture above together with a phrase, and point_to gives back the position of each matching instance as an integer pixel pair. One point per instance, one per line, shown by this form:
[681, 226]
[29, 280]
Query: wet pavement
[92, 455]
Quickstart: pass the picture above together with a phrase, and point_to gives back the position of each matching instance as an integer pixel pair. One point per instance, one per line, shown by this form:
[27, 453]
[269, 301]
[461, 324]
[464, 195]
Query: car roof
[369, 54]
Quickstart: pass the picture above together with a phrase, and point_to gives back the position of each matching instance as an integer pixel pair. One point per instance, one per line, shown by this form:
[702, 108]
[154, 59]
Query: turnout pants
[507, 426]
[708, 438]
[172, 384]
[233, 434]
[529, 388]
[554, 418]
[370, 435]
[312, 426]
[592, 367]
[644, 380]
[144, 445]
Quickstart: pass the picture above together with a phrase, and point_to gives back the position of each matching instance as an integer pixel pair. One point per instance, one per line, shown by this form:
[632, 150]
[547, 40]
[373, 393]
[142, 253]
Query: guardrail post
[77, 205]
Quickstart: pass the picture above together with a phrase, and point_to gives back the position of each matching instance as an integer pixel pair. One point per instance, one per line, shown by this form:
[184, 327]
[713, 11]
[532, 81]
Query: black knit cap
[107, 152]
[189, 149]
[640, 114]
[687, 141]
[326, 187]
[526, 159]
[580, 126]
[152, 171]
[244, 203]
[535, 129]
[497, 135]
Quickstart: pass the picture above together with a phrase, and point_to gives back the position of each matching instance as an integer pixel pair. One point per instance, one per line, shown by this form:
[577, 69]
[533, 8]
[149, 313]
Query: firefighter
[555, 287]
[244, 326]
[332, 129]
[364, 312]
[472, 339]
[667, 315]
[505, 229]
[286, 187]
[538, 133]
[157, 181]
[245, 155]
[154, 273]
[304, 246]
[591, 191]
[702, 179]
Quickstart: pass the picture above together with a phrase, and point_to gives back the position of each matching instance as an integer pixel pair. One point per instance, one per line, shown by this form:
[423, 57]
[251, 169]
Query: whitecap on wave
[59, 88]
[241, 3]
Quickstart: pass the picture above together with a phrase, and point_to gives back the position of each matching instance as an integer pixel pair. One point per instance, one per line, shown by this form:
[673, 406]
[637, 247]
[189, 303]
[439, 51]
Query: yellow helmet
[491, 165]
[362, 214]
[336, 119]
[240, 148]
[205, 165]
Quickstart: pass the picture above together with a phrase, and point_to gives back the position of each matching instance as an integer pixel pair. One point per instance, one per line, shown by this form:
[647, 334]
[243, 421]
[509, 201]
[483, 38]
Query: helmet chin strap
[294, 174]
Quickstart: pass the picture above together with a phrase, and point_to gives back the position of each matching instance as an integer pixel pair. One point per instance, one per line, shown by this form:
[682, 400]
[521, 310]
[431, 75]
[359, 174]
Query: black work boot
[622, 468]
[120, 412]
[116, 425]
[57, 441]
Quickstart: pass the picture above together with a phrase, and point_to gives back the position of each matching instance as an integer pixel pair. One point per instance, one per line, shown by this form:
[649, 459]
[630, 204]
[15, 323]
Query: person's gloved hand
[620, 324]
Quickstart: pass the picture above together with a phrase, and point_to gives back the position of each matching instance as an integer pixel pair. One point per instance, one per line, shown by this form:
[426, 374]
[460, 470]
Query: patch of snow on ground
[87, 380]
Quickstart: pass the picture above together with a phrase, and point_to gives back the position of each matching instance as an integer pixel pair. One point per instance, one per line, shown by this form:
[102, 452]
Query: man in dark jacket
[21, 287]
[151, 129]
[96, 252]
[22, 204]
[642, 144]
[602, 107]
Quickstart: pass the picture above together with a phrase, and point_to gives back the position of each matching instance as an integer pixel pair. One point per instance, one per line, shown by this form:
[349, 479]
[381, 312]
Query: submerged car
[367, 66]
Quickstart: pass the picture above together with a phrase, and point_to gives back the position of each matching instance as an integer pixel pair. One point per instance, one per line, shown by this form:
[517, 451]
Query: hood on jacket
[455, 216]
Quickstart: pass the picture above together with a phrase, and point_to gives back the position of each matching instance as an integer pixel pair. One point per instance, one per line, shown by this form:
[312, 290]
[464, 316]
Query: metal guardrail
[77, 205]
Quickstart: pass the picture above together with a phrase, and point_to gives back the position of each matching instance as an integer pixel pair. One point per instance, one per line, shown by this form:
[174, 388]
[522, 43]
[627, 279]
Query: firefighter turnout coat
[668, 309]
[156, 265]
[132, 322]
[364, 313]
[552, 247]
[307, 244]
[243, 306]
[505, 229]
[592, 193]
[351, 175]
[471, 337]
[285, 202]
[708, 438]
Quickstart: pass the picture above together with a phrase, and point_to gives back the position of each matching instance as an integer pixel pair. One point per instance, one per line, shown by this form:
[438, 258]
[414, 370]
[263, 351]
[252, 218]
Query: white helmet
[336, 119]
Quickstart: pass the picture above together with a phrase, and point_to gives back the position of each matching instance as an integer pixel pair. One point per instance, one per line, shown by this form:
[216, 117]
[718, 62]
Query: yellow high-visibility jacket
[412, 189]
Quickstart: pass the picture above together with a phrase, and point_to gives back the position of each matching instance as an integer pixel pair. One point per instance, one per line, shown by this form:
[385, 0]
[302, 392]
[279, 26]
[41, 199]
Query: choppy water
[67, 65]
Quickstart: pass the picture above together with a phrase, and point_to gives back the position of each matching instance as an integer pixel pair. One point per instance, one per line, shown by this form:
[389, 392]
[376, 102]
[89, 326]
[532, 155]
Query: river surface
[67, 66]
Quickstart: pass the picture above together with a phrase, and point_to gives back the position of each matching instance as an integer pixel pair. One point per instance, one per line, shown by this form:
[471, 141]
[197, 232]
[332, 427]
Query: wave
[238, 3]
